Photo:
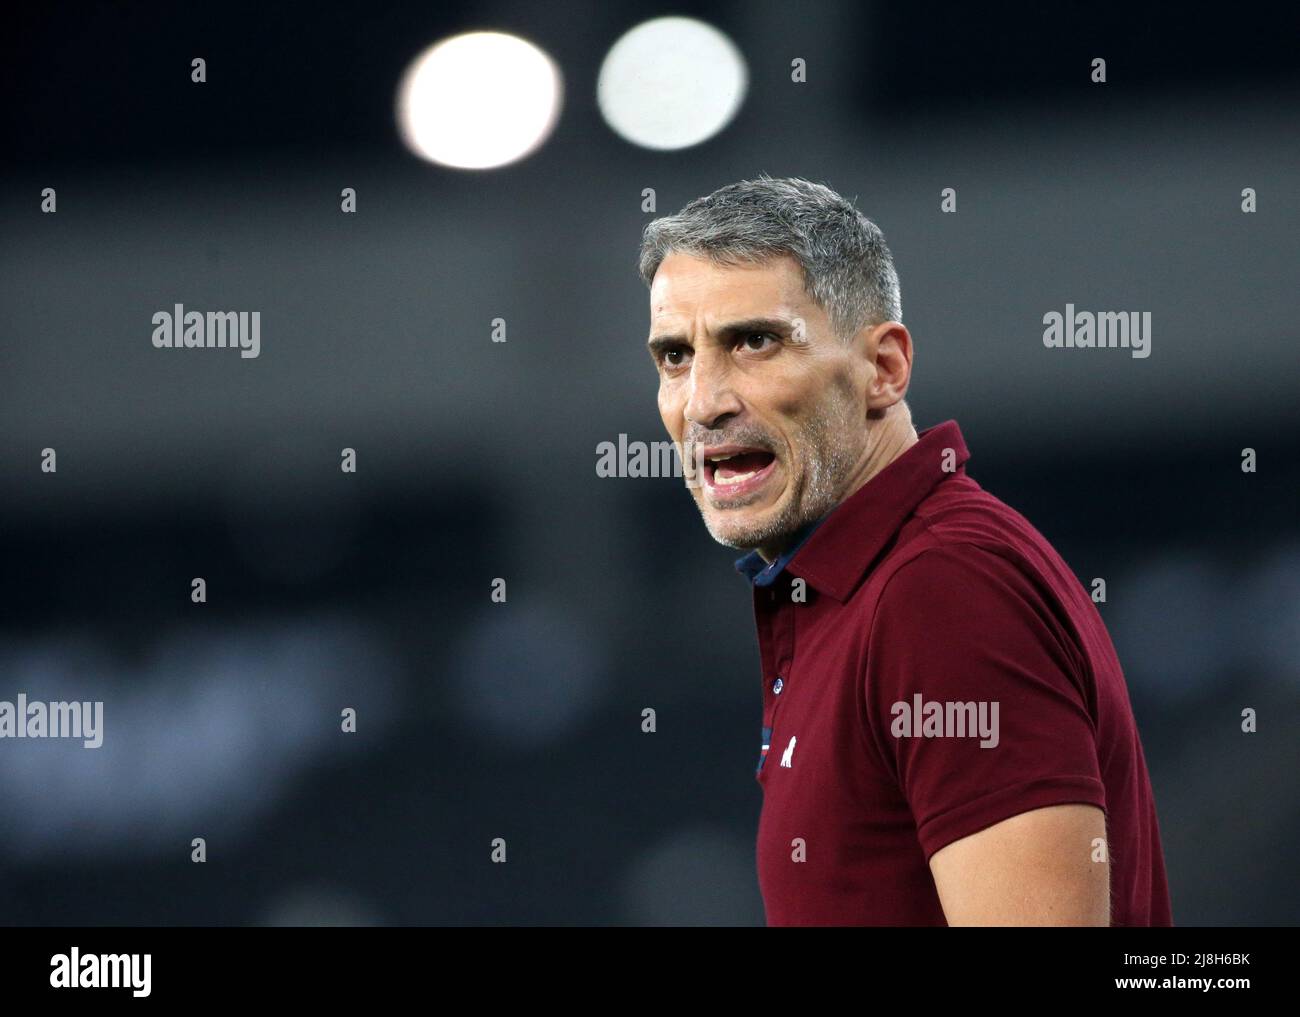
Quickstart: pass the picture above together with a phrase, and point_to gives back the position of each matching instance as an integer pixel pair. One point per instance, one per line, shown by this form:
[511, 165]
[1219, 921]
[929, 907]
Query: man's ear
[889, 348]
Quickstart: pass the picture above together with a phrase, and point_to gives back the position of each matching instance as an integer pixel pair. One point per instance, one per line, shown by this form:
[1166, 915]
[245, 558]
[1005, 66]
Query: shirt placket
[774, 618]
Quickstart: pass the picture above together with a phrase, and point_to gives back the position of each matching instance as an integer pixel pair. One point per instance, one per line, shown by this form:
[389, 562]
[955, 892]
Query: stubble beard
[830, 446]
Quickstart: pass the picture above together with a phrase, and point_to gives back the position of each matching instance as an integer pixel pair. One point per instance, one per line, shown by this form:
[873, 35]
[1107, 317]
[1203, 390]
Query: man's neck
[896, 436]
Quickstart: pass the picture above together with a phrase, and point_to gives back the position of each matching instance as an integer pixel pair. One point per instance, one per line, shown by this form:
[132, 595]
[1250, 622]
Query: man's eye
[674, 358]
[755, 340]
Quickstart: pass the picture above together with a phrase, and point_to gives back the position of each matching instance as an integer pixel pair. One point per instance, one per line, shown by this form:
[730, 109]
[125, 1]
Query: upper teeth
[718, 459]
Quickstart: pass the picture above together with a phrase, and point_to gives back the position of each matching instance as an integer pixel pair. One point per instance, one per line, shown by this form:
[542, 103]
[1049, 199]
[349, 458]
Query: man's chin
[741, 533]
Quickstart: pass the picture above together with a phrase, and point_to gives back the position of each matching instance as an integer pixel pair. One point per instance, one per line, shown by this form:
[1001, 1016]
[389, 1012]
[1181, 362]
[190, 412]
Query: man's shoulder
[962, 534]
[960, 512]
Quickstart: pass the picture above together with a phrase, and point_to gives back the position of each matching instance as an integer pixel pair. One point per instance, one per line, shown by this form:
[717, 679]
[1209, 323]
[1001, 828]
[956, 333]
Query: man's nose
[712, 398]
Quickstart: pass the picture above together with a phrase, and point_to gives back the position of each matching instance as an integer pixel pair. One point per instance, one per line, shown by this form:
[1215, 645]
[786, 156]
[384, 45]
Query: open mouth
[730, 471]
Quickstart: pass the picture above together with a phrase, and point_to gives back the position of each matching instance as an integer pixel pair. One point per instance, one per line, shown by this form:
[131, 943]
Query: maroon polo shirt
[922, 589]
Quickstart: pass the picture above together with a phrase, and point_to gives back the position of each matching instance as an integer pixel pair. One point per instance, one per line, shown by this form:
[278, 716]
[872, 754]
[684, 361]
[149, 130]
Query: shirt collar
[761, 572]
[833, 553]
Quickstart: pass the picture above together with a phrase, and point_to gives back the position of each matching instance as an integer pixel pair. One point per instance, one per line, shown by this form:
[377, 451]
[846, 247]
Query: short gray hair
[846, 264]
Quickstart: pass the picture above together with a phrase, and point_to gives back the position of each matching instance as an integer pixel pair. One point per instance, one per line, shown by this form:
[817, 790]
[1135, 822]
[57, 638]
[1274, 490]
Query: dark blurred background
[476, 460]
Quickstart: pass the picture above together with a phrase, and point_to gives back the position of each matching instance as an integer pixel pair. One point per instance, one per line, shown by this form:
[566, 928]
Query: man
[950, 734]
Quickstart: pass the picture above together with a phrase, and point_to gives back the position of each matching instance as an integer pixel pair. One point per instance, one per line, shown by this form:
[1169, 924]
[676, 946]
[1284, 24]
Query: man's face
[754, 384]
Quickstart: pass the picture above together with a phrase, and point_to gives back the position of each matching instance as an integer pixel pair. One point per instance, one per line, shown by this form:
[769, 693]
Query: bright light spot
[478, 100]
[671, 83]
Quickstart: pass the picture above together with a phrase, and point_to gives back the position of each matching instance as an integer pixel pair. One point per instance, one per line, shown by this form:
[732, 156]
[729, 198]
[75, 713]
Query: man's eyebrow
[780, 326]
[659, 343]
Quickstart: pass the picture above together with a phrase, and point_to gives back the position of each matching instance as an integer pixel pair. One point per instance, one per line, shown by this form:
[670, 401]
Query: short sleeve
[975, 695]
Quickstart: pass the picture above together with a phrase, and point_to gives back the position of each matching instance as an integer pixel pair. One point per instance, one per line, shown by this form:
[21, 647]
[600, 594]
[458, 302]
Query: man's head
[775, 328]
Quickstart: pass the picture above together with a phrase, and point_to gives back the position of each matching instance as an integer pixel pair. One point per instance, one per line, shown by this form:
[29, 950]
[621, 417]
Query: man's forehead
[686, 286]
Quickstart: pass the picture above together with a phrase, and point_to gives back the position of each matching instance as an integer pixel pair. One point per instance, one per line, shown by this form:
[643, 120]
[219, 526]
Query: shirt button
[777, 686]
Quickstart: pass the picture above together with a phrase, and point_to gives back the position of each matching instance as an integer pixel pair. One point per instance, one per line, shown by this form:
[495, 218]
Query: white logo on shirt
[788, 755]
